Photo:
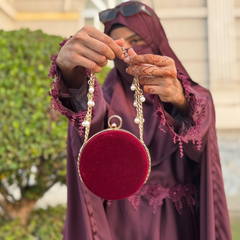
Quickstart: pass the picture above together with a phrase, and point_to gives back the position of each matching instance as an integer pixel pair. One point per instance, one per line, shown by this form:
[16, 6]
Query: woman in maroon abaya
[184, 196]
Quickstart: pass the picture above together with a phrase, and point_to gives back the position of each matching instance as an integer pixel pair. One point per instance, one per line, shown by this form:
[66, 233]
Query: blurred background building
[205, 35]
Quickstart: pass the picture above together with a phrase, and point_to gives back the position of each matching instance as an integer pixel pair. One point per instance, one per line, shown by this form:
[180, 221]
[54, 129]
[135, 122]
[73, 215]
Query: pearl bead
[133, 87]
[134, 103]
[91, 103]
[143, 120]
[85, 123]
[91, 89]
[136, 120]
[142, 99]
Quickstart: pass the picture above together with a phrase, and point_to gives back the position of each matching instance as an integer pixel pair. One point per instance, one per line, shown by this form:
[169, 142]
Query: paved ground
[56, 195]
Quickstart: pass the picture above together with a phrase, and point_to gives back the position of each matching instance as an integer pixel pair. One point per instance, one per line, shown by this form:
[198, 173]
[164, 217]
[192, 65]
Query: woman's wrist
[181, 103]
[73, 78]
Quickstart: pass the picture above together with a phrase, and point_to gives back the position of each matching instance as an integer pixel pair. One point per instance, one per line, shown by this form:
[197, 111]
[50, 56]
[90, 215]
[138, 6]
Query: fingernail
[127, 59]
[131, 49]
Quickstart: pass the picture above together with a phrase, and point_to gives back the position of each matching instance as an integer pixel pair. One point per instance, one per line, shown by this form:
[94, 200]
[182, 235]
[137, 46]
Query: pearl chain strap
[138, 100]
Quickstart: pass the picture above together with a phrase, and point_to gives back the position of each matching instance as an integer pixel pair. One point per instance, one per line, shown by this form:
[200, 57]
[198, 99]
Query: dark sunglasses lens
[107, 15]
[130, 9]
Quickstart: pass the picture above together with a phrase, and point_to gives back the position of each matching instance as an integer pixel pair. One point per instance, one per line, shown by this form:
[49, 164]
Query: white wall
[59, 28]
[188, 39]
[238, 44]
[179, 3]
[6, 22]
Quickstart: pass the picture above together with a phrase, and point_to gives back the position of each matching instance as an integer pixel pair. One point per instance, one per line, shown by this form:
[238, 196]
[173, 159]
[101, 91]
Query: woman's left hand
[158, 75]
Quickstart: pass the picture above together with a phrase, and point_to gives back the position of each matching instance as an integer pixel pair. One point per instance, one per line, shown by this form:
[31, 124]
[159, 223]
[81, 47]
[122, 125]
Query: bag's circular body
[114, 164]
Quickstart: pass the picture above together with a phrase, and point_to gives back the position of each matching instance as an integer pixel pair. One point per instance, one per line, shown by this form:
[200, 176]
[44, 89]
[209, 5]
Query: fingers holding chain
[158, 74]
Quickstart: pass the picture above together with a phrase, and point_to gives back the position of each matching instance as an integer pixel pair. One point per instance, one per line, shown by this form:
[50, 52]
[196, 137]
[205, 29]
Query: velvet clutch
[114, 164]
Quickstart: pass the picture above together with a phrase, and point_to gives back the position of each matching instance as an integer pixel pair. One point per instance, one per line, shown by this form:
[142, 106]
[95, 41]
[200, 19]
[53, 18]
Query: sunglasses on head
[126, 10]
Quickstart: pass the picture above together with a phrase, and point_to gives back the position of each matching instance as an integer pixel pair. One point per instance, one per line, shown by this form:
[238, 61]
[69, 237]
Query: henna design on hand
[164, 59]
[152, 71]
[148, 89]
[138, 70]
[151, 59]
[146, 80]
[158, 74]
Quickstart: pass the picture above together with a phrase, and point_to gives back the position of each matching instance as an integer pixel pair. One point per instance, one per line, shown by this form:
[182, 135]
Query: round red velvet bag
[114, 163]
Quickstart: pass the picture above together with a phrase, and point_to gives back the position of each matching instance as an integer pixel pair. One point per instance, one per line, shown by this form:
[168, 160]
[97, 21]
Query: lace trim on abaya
[157, 193]
[190, 127]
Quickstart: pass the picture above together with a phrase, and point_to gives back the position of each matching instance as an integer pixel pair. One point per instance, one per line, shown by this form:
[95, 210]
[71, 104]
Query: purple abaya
[184, 197]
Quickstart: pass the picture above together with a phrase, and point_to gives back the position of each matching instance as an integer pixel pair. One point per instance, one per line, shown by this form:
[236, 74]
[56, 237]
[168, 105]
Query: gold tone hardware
[114, 125]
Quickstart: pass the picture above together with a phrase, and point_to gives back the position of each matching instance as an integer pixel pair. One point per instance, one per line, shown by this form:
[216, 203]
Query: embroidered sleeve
[61, 99]
[191, 128]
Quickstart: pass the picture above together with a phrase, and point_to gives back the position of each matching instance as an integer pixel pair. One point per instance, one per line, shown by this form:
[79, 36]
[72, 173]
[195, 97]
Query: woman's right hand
[88, 48]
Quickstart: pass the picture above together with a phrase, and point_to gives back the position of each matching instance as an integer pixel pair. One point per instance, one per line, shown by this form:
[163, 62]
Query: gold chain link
[138, 103]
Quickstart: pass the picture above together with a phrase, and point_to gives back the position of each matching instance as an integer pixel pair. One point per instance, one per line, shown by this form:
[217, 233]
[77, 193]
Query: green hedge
[32, 135]
[103, 74]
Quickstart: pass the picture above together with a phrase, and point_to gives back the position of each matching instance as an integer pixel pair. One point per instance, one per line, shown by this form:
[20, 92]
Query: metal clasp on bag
[114, 125]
